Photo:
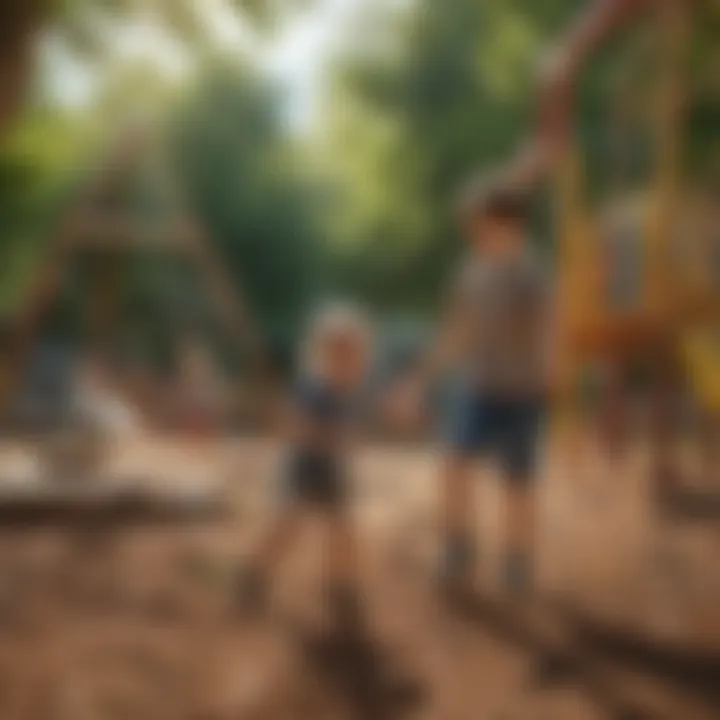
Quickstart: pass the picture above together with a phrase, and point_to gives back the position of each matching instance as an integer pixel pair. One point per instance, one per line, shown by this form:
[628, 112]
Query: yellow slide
[702, 358]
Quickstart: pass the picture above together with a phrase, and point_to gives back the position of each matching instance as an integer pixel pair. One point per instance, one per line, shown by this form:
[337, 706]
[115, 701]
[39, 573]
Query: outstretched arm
[559, 85]
[405, 401]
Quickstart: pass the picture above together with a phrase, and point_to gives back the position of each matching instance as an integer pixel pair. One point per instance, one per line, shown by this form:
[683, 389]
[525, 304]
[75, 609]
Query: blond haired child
[318, 425]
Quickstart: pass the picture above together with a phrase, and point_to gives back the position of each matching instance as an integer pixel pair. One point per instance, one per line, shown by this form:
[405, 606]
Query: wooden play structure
[130, 207]
[112, 218]
[639, 272]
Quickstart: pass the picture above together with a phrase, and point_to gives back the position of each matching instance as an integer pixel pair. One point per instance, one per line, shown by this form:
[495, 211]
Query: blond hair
[332, 322]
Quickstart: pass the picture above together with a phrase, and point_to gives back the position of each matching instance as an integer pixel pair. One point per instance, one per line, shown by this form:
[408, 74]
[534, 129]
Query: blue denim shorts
[314, 480]
[505, 427]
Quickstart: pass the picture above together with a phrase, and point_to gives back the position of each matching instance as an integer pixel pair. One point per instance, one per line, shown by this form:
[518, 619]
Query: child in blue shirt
[319, 423]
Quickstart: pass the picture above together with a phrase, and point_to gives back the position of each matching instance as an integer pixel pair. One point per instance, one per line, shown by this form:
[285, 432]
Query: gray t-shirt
[505, 312]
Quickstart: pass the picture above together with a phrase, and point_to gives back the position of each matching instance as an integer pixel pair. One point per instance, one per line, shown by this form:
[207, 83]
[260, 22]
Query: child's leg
[274, 545]
[251, 587]
[467, 433]
[457, 509]
[519, 450]
[457, 497]
[343, 571]
[520, 516]
[520, 524]
[342, 555]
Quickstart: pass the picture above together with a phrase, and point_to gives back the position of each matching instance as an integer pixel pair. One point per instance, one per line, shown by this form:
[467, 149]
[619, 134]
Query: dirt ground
[135, 623]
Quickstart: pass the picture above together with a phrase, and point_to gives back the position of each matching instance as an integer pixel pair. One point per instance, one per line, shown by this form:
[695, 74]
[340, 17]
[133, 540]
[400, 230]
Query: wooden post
[105, 294]
[666, 389]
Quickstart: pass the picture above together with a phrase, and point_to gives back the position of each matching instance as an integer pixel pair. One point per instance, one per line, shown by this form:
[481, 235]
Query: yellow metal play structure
[619, 286]
[639, 278]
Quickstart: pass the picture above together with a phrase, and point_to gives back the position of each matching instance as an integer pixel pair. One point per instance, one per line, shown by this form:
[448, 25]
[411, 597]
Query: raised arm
[559, 84]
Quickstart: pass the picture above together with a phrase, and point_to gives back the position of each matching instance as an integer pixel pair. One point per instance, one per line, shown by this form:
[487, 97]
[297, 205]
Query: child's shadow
[355, 670]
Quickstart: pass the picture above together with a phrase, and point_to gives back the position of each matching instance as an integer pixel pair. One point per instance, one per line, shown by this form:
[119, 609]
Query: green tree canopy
[246, 180]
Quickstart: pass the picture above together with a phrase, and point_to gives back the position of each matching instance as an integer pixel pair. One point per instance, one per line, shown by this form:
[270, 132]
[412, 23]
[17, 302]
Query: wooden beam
[97, 231]
[87, 228]
[230, 306]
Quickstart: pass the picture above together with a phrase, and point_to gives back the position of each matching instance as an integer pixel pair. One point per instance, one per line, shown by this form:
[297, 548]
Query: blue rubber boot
[518, 574]
[458, 561]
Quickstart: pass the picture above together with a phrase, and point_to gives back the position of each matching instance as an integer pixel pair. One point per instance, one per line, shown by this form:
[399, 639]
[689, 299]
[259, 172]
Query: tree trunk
[19, 24]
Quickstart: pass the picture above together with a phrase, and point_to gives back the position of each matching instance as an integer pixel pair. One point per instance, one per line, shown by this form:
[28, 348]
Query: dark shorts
[507, 428]
[314, 480]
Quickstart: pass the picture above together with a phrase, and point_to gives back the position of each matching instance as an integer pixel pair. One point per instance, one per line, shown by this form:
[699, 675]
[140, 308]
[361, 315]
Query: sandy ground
[135, 623]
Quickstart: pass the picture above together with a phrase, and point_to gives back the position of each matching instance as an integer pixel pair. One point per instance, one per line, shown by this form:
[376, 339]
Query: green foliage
[454, 96]
[424, 95]
[266, 14]
[38, 168]
[85, 24]
[246, 182]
